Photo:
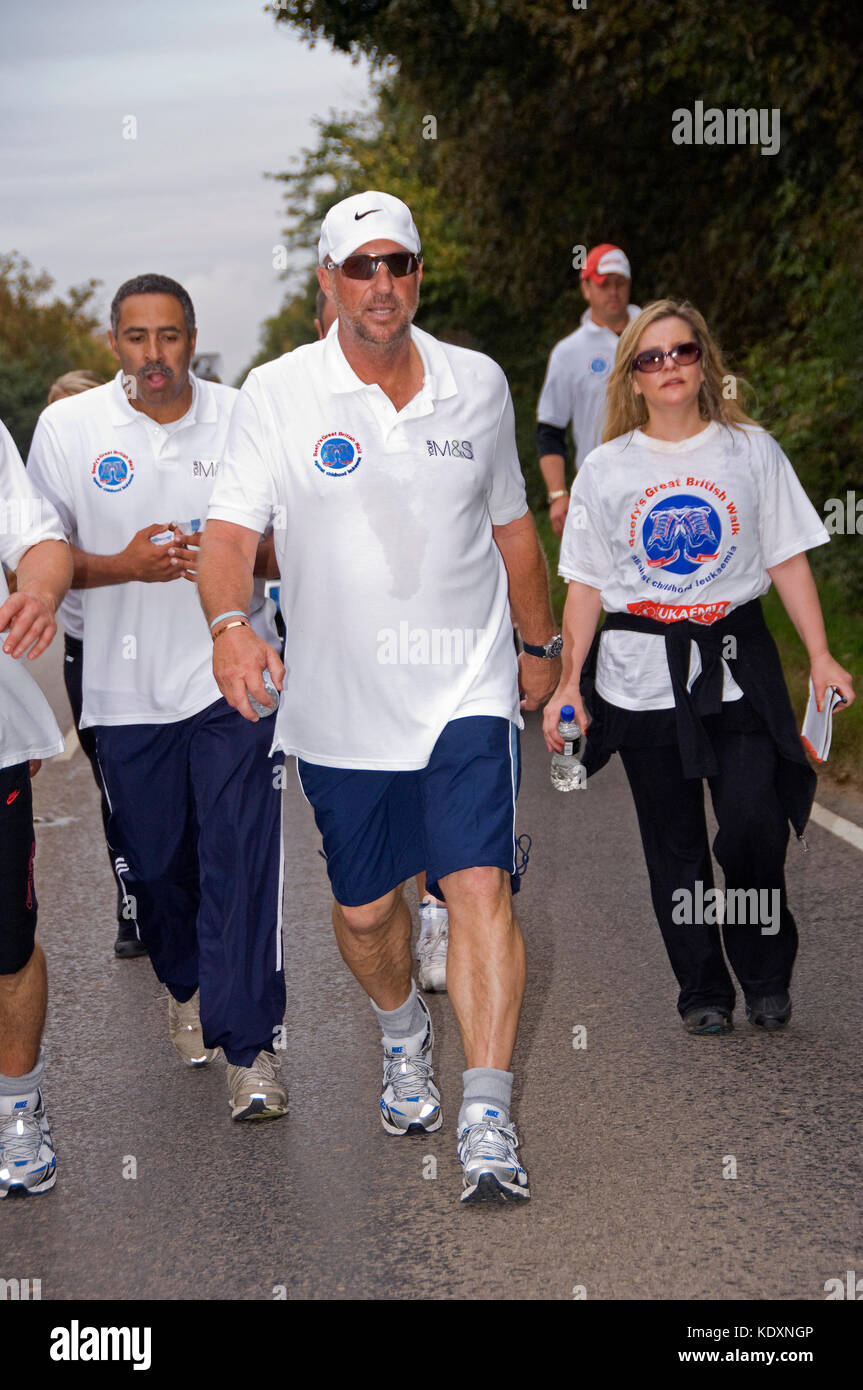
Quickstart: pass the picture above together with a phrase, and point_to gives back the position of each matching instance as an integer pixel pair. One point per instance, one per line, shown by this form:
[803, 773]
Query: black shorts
[17, 850]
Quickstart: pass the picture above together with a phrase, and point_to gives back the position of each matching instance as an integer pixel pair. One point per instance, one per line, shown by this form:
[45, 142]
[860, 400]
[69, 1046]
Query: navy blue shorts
[458, 812]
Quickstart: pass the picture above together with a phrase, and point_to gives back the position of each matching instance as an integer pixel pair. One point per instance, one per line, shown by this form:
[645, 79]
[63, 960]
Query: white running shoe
[431, 947]
[410, 1102]
[255, 1093]
[486, 1148]
[27, 1161]
[184, 1026]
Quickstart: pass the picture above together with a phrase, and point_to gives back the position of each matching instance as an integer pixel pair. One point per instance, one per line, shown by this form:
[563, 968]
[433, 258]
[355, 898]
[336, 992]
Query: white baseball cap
[363, 217]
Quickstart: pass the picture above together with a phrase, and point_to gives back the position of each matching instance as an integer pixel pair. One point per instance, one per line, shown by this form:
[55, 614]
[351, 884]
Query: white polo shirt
[684, 529]
[576, 382]
[110, 471]
[28, 729]
[393, 591]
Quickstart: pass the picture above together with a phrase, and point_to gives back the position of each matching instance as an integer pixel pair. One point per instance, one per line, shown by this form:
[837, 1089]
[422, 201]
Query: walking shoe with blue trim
[27, 1161]
[410, 1102]
[431, 947]
[486, 1148]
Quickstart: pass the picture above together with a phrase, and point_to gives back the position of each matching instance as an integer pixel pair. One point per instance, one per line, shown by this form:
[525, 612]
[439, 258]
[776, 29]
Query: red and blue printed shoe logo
[681, 533]
[337, 454]
[112, 472]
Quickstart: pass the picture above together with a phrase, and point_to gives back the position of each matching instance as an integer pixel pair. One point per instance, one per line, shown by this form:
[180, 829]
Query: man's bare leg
[374, 941]
[486, 974]
[486, 964]
[375, 944]
[23, 1000]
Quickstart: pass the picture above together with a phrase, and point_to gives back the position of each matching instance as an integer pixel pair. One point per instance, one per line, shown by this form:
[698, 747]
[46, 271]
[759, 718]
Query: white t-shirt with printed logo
[689, 528]
[28, 729]
[576, 382]
[393, 591]
[110, 471]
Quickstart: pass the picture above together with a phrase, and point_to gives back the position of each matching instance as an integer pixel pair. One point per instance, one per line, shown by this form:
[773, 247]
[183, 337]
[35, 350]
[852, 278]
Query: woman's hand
[551, 716]
[825, 672]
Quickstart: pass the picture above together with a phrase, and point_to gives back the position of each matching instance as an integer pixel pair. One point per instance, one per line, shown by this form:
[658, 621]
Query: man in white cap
[576, 379]
[387, 462]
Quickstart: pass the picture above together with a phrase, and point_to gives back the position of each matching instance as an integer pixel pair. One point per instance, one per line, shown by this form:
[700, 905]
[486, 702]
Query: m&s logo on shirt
[455, 448]
[113, 471]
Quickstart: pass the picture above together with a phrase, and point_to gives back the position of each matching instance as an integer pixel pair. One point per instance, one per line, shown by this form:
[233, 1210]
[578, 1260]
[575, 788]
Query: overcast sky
[220, 94]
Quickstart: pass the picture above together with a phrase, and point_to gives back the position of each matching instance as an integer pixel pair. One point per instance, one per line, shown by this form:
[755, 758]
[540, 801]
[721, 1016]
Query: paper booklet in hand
[818, 725]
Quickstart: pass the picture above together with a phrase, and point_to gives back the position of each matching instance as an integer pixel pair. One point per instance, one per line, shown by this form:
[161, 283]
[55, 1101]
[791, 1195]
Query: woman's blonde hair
[628, 411]
[73, 383]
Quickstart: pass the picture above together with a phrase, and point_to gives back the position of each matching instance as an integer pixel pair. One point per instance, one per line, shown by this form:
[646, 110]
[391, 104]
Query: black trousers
[750, 847]
[18, 904]
[73, 670]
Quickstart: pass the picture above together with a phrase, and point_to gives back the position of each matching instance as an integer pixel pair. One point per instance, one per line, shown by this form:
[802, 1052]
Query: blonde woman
[677, 523]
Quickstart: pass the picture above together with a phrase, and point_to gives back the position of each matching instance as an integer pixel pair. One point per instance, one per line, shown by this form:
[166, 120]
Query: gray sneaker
[255, 1093]
[184, 1026]
[432, 945]
[486, 1148]
[27, 1161]
[410, 1101]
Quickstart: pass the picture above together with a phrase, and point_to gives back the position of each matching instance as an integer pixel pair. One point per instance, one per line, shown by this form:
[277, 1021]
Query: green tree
[554, 130]
[40, 339]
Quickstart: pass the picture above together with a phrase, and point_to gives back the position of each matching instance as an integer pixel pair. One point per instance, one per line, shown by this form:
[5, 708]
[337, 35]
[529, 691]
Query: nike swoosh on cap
[359, 215]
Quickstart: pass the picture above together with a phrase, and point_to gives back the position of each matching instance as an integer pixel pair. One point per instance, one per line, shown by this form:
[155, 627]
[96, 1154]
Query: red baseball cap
[603, 260]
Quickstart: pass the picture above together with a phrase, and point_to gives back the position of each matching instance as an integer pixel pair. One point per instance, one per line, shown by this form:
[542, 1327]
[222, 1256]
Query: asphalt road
[630, 1142]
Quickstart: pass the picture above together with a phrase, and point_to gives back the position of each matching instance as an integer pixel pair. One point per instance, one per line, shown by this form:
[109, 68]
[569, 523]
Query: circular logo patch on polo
[112, 472]
[337, 454]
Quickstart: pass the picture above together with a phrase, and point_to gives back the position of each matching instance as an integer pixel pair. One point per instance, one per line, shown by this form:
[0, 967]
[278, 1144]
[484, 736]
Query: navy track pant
[73, 669]
[195, 823]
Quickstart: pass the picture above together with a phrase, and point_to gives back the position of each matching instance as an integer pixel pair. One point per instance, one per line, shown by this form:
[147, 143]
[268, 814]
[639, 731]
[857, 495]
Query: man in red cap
[578, 370]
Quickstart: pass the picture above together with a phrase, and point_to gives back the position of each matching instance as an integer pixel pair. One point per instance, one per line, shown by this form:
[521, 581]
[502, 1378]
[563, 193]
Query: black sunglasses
[363, 267]
[652, 359]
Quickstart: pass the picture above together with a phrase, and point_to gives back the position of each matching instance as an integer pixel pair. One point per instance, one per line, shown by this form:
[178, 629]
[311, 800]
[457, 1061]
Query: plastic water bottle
[265, 710]
[567, 770]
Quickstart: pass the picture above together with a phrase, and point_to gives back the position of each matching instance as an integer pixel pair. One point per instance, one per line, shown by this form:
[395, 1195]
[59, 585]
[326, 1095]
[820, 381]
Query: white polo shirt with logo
[110, 471]
[685, 529]
[28, 728]
[576, 382]
[393, 591]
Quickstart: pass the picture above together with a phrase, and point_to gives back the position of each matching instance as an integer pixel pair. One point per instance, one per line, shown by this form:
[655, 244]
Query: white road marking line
[837, 825]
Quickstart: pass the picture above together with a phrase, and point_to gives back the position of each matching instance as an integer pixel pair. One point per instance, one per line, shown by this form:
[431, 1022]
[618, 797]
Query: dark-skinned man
[130, 467]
